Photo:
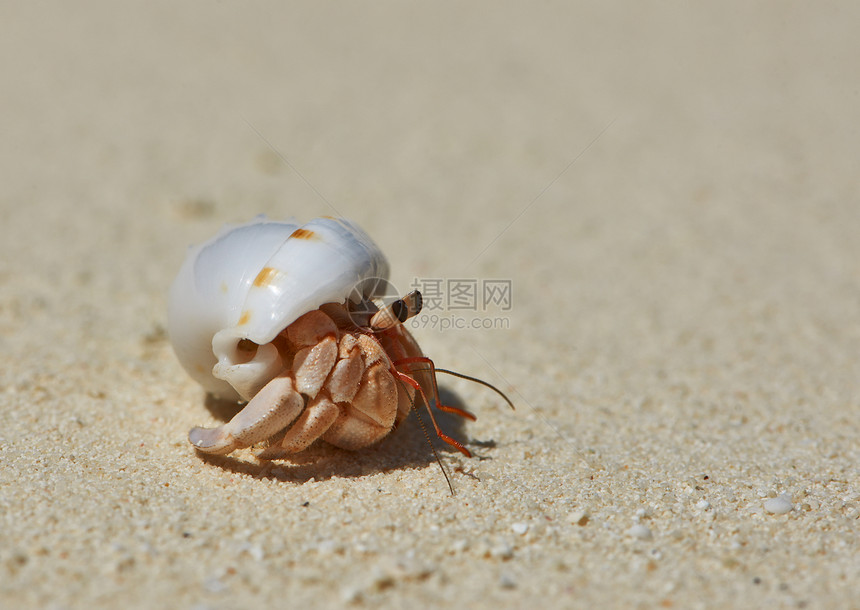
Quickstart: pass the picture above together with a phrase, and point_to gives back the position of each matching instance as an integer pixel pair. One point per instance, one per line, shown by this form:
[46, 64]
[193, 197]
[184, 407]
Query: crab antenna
[410, 381]
[433, 385]
[397, 312]
[429, 442]
[481, 381]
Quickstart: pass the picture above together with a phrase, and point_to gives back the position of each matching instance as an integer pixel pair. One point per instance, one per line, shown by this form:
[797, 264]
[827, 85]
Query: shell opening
[246, 347]
[243, 364]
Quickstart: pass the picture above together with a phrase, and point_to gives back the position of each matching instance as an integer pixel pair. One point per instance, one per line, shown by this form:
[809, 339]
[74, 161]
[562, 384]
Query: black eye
[400, 310]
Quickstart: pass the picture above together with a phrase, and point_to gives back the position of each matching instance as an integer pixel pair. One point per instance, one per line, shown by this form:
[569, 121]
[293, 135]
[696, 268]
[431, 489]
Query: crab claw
[270, 411]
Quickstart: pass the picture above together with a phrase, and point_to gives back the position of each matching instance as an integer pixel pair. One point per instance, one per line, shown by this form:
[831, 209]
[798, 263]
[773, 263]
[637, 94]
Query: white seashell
[250, 282]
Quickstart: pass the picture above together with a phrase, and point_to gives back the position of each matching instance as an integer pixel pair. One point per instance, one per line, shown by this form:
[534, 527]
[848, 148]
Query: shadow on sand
[406, 447]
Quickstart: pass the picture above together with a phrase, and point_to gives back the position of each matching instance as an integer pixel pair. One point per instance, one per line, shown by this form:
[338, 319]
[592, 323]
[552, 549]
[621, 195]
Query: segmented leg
[370, 415]
[270, 411]
[410, 381]
[312, 365]
[434, 386]
[315, 336]
[405, 401]
[345, 377]
[317, 417]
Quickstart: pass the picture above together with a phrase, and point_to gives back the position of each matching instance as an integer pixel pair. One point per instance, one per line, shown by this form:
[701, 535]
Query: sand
[671, 192]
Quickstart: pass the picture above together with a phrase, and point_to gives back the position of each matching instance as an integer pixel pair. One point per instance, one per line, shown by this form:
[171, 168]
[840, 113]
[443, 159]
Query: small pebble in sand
[640, 531]
[506, 581]
[520, 528]
[213, 584]
[350, 595]
[327, 547]
[779, 505]
[502, 551]
[578, 517]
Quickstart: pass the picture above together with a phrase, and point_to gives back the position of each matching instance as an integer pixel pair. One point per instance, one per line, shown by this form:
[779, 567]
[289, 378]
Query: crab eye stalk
[397, 312]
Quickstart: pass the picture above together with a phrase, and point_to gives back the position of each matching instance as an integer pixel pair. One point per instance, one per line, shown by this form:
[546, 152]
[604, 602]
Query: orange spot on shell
[243, 319]
[266, 276]
[304, 234]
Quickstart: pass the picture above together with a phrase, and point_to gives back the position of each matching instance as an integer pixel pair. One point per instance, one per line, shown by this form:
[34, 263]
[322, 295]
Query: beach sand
[670, 194]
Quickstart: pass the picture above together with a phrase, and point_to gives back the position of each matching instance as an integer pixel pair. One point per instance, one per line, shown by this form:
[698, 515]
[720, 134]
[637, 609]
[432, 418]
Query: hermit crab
[288, 319]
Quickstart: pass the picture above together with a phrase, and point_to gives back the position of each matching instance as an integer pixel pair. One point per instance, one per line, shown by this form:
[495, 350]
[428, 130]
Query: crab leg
[408, 380]
[270, 411]
[317, 417]
[435, 387]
